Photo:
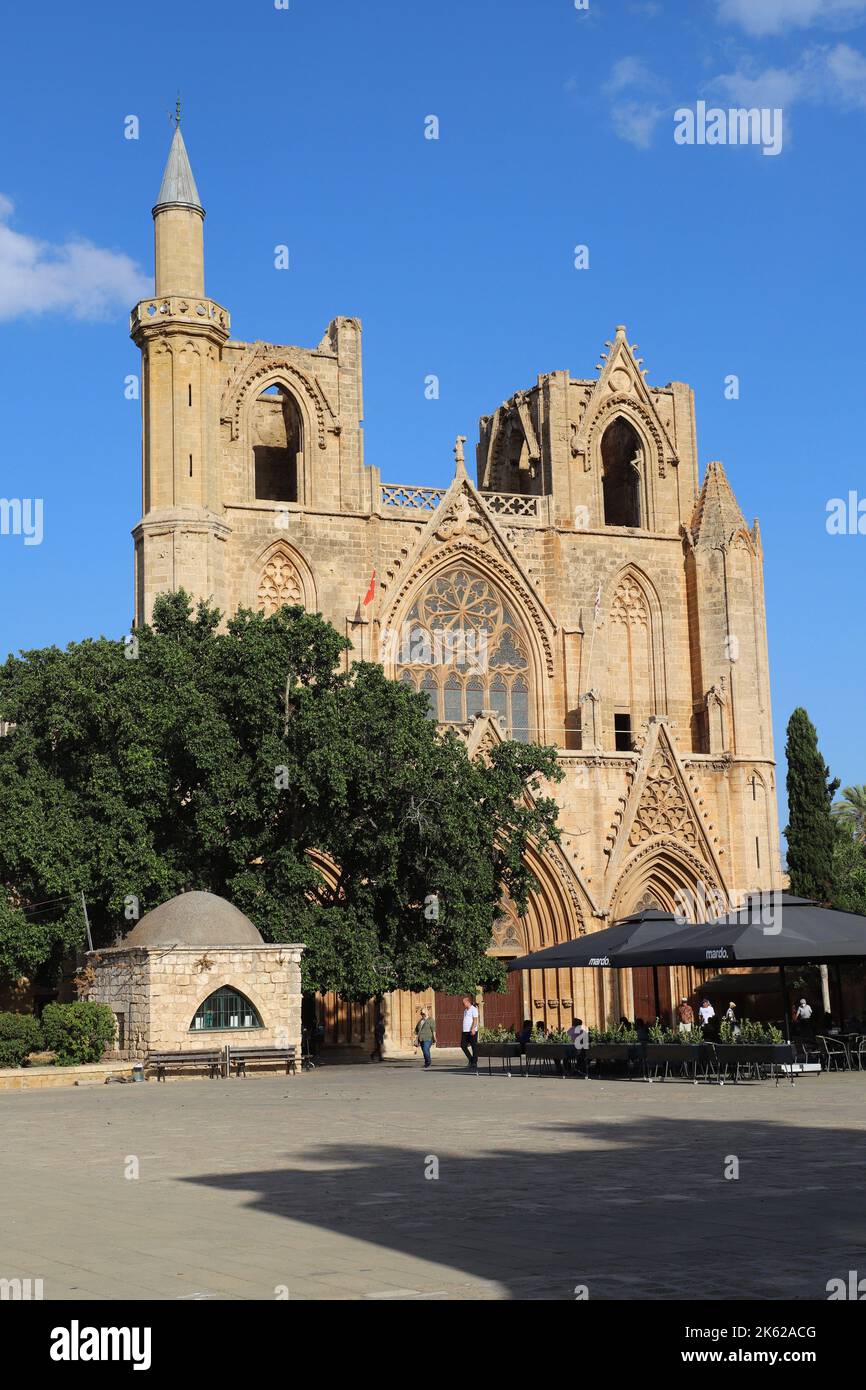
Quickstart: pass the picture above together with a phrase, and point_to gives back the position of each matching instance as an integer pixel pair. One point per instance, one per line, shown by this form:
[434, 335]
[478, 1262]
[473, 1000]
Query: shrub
[496, 1035]
[748, 1032]
[617, 1033]
[19, 1035]
[660, 1033]
[77, 1032]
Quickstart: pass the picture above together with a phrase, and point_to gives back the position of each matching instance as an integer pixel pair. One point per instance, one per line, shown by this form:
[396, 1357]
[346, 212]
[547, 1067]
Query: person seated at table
[580, 1040]
[625, 1022]
[642, 1030]
[525, 1034]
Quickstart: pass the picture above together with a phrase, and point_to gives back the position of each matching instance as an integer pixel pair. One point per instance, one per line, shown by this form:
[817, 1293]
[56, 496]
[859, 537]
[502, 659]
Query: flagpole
[595, 609]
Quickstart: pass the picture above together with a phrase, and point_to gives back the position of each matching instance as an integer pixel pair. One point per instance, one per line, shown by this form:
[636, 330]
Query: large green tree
[810, 832]
[237, 759]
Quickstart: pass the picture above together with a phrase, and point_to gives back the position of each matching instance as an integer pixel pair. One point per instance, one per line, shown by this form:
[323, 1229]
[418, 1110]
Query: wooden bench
[212, 1059]
[240, 1056]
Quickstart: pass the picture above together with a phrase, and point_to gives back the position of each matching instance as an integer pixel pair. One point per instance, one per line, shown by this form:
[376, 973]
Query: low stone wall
[38, 1078]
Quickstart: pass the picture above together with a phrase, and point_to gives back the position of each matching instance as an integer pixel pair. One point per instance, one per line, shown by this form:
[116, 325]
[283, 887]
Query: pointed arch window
[464, 648]
[225, 1008]
[277, 438]
[621, 464]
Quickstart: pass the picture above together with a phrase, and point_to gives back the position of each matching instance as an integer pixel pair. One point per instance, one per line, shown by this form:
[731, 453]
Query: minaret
[181, 335]
[730, 666]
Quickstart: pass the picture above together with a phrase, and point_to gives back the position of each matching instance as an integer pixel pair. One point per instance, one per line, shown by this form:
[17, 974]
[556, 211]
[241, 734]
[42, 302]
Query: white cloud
[636, 121]
[762, 17]
[75, 277]
[826, 76]
[630, 72]
[637, 109]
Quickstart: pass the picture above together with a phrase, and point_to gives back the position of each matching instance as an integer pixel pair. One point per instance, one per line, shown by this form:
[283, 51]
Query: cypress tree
[810, 831]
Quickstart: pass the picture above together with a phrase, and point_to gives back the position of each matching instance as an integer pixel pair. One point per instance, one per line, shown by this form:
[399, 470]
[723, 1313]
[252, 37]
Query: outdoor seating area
[706, 1061]
[784, 1036]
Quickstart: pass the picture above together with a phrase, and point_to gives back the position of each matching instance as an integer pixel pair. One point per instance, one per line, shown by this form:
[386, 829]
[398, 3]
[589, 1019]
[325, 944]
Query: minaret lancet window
[621, 458]
[277, 437]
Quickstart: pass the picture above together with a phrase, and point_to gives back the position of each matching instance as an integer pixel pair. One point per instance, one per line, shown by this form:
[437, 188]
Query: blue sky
[305, 126]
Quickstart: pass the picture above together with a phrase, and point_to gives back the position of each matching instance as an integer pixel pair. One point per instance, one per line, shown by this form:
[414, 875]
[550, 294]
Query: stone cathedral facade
[610, 600]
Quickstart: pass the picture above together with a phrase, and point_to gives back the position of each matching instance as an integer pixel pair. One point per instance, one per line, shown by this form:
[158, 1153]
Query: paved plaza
[316, 1185]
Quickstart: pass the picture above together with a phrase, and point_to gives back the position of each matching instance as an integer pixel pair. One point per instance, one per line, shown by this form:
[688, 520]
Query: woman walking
[425, 1035]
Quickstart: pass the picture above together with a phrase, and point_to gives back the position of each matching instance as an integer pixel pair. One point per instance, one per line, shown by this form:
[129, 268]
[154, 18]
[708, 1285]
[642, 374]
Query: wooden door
[644, 994]
[448, 1013]
[505, 1010]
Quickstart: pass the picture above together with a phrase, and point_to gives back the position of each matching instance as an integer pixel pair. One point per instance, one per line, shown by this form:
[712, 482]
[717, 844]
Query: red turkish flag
[371, 592]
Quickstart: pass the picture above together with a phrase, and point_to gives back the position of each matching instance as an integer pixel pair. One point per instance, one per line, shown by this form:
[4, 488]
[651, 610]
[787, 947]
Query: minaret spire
[178, 218]
[178, 187]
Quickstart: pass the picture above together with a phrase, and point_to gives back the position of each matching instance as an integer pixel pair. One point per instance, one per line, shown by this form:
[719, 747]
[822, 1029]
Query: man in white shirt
[803, 1019]
[469, 1034]
[580, 1041]
[706, 1012]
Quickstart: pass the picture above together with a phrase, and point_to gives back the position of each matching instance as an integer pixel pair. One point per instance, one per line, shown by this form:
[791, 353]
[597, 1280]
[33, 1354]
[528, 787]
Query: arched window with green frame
[225, 1008]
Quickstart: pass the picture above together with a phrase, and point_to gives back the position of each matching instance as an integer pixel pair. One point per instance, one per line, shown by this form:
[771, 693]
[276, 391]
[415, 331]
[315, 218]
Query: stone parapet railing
[514, 505]
[180, 308]
[419, 499]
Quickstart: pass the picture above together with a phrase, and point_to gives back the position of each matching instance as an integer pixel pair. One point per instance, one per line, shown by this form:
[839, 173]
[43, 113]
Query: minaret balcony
[180, 310]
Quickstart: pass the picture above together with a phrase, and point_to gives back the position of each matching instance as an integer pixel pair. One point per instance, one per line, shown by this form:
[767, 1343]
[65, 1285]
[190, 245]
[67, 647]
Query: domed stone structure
[194, 919]
[196, 974]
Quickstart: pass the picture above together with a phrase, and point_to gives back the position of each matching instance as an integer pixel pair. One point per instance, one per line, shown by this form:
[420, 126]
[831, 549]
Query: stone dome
[194, 919]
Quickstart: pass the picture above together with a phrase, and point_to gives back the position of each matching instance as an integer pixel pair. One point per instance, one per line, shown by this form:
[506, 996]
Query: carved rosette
[663, 808]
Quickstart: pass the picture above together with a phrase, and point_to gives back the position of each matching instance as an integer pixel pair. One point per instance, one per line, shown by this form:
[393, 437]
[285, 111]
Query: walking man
[469, 1035]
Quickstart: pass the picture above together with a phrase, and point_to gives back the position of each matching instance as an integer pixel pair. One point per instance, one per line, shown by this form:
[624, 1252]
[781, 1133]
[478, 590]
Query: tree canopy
[246, 760]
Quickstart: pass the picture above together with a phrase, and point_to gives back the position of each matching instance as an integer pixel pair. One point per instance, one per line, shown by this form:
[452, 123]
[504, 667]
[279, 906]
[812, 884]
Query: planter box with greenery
[497, 1042]
[673, 1053]
[550, 1051]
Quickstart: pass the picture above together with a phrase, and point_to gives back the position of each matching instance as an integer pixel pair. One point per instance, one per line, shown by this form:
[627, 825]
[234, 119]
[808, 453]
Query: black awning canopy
[603, 948]
[770, 929]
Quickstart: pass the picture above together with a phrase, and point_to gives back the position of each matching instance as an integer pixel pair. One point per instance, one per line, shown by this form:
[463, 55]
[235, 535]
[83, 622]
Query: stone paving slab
[317, 1184]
